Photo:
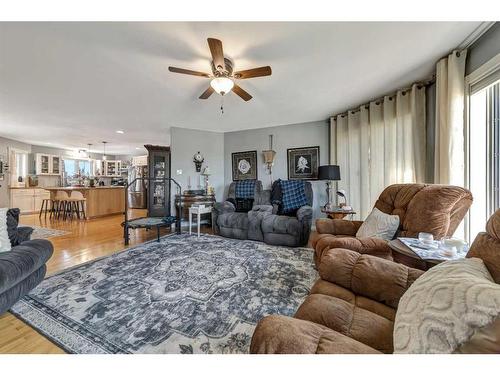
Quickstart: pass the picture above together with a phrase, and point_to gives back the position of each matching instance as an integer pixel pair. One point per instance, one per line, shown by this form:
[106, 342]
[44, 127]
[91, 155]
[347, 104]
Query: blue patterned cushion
[294, 195]
[245, 189]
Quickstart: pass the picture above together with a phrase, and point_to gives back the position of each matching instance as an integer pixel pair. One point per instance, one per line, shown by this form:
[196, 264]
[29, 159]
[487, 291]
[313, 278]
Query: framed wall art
[303, 163]
[244, 165]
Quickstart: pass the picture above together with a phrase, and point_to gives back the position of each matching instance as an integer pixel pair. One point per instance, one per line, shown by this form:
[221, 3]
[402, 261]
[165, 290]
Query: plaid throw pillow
[245, 189]
[294, 195]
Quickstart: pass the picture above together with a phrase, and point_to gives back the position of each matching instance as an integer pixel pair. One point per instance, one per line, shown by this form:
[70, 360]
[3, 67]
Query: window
[77, 167]
[21, 164]
[483, 147]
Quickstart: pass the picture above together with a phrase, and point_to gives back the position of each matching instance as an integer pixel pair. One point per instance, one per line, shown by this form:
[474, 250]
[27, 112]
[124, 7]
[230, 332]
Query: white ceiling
[69, 84]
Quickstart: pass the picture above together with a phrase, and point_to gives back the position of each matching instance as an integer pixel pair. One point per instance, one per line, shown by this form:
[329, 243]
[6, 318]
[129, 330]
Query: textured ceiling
[69, 84]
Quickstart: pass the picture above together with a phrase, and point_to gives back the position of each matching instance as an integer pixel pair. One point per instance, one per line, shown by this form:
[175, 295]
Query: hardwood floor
[85, 240]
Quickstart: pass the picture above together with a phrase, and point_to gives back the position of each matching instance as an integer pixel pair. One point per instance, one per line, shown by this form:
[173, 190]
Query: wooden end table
[403, 254]
[337, 213]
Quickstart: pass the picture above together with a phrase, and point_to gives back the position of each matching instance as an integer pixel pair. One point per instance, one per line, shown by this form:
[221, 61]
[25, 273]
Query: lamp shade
[329, 172]
[222, 85]
[269, 156]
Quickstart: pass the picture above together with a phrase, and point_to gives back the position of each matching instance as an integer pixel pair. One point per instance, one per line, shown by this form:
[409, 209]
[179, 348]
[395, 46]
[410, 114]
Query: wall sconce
[269, 157]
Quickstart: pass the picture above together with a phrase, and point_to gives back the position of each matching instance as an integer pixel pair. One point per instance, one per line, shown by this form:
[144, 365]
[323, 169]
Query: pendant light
[104, 150]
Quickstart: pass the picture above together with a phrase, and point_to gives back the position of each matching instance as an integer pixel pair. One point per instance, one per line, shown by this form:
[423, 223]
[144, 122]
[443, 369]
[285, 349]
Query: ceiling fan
[222, 77]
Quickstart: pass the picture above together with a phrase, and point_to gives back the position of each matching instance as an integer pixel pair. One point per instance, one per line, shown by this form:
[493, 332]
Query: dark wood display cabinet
[159, 190]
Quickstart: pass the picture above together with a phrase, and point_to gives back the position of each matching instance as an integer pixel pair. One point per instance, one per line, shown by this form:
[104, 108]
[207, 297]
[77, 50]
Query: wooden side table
[198, 211]
[403, 254]
[337, 213]
[193, 199]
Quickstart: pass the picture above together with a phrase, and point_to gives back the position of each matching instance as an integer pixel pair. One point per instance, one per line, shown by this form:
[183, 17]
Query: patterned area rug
[182, 295]
[42, 233]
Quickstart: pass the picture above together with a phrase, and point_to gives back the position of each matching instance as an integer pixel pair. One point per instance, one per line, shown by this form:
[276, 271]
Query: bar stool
[45, 203]
[59, 204]
[76, 203]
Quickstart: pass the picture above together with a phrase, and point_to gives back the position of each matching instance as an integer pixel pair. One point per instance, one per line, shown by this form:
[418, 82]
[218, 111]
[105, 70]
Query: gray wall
[286, 136]
[483, 49]
[184, 144]
[4, 185]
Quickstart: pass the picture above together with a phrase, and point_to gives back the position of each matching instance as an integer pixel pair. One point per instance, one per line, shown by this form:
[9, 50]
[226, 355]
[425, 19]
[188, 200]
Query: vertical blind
[380, 144]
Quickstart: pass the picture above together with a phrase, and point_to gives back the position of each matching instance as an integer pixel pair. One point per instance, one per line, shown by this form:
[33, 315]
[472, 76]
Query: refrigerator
[137, 193]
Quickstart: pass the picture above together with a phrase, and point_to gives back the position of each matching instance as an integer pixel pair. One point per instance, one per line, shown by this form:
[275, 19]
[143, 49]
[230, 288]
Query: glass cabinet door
[159, 193]
[56, 162]
[110, 168]
[44, 164]
[159, 162]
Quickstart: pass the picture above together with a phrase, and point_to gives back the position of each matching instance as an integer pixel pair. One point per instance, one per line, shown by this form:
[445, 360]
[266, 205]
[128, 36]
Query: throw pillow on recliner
[242, 204]
[293, 195]
[379, 225]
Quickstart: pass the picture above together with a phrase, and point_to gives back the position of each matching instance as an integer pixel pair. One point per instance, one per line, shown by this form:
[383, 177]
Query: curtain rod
[379, 100]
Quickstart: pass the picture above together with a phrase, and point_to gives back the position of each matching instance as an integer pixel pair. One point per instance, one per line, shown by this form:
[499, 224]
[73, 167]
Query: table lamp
[206, 173]
[329, 173]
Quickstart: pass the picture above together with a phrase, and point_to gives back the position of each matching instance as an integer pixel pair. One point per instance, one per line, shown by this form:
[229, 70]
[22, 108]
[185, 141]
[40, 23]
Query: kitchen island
[100, 200]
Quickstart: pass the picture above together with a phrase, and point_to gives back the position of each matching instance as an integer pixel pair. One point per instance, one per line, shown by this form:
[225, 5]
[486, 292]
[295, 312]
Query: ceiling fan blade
[217, 53]
[252, 73]
[207, 93]
[241, 93]
[187, 71]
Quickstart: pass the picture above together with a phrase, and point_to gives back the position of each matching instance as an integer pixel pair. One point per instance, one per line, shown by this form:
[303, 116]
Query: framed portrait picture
[303, 163]
[244, 165]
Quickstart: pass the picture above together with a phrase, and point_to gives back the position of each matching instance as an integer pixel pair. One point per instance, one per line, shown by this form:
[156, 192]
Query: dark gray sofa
[23, 267]
[263, 223]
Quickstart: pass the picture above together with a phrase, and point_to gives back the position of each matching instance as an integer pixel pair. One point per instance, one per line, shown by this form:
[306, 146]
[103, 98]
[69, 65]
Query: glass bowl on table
[426, 238]
[454, 245]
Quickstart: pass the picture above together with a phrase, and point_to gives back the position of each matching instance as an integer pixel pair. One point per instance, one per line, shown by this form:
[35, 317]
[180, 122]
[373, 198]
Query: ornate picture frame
[244, 165]
[303, 163]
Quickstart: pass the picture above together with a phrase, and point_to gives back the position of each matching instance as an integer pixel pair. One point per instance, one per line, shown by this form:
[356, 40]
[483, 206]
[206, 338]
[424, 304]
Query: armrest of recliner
[24, 234]
[262, 208]
[368, 245]
[304, 213]
[338, 226]
[379, 279]
[22, 260]
[224, 207]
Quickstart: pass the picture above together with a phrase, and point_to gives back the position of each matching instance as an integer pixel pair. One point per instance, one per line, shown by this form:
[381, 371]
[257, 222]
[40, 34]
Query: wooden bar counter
[101, 200]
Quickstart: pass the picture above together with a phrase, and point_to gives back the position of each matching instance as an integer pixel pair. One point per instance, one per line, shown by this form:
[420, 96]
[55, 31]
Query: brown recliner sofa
[431, 208]
[352, 307]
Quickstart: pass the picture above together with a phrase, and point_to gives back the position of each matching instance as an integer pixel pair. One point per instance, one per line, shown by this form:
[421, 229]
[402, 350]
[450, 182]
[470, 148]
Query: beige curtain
[449, 144]
[380, 144]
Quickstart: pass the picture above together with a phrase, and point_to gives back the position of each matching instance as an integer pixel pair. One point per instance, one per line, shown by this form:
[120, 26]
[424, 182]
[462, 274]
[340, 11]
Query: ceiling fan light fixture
[222, 85]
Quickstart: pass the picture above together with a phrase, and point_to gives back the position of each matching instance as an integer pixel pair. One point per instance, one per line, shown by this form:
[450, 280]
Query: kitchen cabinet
[113, 168]
[140, 161]
[28, 200]
[107, 168]
[48, 165]
[110, 168]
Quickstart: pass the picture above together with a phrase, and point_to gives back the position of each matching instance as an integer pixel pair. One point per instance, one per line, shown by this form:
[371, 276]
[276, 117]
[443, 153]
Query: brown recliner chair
[352, 307]
[436, 209]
